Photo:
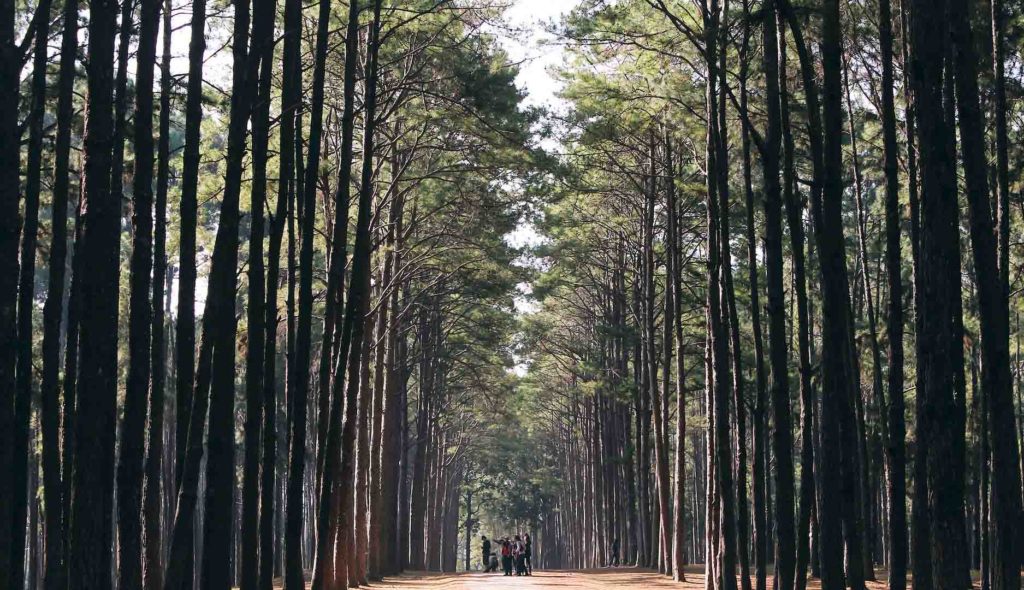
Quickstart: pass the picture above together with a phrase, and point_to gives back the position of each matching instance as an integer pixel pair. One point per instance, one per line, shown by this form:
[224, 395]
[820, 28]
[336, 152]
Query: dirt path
[562, 580]
[597, 579]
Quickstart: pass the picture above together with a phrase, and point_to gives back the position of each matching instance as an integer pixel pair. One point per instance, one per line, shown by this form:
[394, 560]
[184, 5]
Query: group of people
[515, 555]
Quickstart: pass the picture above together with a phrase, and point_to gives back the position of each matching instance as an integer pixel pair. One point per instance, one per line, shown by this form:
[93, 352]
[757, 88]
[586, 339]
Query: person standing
[485, 556]
[518, 550]
[615, 553]
[528, 554]
[506, 556]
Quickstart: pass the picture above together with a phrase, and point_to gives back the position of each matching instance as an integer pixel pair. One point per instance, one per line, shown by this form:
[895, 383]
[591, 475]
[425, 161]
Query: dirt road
[596, 579]
[604, 579]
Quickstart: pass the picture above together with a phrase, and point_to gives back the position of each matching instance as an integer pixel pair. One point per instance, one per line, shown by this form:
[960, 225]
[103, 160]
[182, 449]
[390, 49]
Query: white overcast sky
[531, 46]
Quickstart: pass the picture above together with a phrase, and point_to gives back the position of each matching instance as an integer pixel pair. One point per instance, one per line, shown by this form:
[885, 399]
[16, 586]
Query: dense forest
[308, 293]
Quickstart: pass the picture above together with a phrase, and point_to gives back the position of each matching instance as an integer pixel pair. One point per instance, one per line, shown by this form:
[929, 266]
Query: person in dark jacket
[486, 553]
[615, 553]
[528, 543]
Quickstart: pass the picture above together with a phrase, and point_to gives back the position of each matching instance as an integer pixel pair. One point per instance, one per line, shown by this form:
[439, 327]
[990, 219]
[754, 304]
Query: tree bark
[132, 446]
[26, 294]
[838, 510]
[54, 479]
[895, 445]
[938, 233]
[324, 576]
[92, 504]
[218, 533]
[997, 381]
[298, 370]
[10, 162]
[256, 362]
[185, 328]
[794, 218]
[152, 578]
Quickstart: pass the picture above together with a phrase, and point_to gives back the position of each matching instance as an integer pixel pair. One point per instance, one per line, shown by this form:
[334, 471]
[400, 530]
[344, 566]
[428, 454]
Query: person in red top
[506, 556]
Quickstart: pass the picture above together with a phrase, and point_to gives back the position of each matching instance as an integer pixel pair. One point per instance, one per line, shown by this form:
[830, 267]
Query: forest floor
[600, 579]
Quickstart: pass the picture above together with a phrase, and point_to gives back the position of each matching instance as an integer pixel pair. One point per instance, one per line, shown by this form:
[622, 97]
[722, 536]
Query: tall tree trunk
[938, 233]
[218, 533]
[383, 531]
[838, 510]
[660, 452]
[132, 446]
[26, 295]
[55, 576]
[997, 381]
[327, 448]
[185, 324]
[339, 241]
[679, 470]
[256, 362]
[152, 577]
[719, 380]
[395, 410]
[1002, 178]
[794, 218]
[185, 328]
[10, 162]
[362, 466]
[92, 503]
[297, 377]
[286, 194]
[864, 457]
[782, 441]
[895, 445]
[760, 521]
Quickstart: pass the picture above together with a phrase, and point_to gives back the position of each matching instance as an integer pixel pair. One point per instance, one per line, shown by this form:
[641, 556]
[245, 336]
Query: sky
[531, 46]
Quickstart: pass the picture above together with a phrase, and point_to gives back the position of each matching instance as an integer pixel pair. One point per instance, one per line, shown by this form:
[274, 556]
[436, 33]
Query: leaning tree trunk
[218, 533]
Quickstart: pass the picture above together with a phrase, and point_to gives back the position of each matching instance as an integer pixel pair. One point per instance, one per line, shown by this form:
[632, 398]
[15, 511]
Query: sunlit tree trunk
[51, 414]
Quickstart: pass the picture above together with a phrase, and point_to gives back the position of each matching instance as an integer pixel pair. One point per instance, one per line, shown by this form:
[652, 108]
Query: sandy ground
[590, 579]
